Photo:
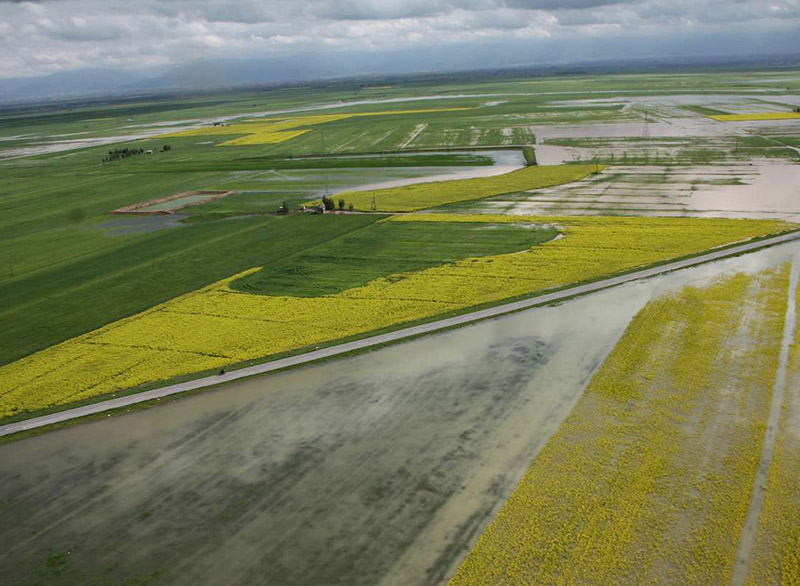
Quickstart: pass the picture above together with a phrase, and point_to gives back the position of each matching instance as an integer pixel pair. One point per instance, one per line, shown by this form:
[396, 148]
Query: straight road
[395, 336]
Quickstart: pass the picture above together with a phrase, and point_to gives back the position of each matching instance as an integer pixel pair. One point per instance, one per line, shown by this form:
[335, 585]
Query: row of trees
[118, 154]
[124, 153]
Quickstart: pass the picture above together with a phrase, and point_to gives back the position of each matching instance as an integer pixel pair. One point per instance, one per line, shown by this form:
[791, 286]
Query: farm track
[389, 337]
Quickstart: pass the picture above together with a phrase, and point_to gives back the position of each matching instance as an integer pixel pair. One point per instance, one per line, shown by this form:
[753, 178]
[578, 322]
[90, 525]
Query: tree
[341, 204]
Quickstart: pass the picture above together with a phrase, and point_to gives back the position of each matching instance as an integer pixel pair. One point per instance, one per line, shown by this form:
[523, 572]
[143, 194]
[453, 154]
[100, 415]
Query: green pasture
[383, 249]
[76, 296]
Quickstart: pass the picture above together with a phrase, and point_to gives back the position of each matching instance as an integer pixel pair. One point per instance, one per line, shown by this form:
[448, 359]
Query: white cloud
[47, 36]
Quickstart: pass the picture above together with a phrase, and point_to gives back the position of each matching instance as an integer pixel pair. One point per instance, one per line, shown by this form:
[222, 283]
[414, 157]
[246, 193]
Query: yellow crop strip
[217, 326]
[426, 195]
[776, 555]
[756, 116]
[648, 479]
[275, 130]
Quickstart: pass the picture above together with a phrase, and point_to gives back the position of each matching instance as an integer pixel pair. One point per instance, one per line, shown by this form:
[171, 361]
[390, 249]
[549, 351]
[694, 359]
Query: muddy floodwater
[380, 469]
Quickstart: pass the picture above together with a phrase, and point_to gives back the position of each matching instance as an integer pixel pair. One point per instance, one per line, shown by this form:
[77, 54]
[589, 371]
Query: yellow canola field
[217, 326]
[426, 195]
[776, 554]
[275, 130]
[756, 116]
[648, 479]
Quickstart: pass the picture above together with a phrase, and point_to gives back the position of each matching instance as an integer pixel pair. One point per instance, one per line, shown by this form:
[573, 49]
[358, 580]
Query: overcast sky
[49, 36]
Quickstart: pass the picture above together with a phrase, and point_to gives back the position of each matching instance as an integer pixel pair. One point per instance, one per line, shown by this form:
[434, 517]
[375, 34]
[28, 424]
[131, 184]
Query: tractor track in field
[749, 530]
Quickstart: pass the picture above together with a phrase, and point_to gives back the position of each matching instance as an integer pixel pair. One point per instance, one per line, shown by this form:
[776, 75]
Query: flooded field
[504, 161]
[377, 469]
[764, 189]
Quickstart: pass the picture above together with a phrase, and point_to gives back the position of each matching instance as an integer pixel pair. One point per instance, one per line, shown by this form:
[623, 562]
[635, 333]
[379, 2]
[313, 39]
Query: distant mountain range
[198, 75]
[222, 73]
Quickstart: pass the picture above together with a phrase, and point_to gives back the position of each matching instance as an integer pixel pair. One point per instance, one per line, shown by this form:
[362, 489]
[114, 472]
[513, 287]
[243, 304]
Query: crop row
[648, 479]
[217, 326]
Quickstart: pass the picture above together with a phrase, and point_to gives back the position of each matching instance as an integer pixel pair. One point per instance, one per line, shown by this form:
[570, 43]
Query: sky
[48, 36]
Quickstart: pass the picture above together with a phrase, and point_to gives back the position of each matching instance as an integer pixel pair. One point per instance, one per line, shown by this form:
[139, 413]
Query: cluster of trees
[124, 153]
[329, 205]
[118, 154]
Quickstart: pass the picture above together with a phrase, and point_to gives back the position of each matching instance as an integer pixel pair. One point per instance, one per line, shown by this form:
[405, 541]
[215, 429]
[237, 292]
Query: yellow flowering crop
[776, 555]
[218, 326]
[648, 479]
[756, 116]
[275, 130]
[435, 193]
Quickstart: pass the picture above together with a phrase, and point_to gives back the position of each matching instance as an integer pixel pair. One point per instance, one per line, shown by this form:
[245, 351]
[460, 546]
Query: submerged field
[656, 421]
[373, 470]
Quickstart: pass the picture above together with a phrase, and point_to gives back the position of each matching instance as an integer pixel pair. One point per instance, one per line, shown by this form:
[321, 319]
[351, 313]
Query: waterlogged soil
[378, 469]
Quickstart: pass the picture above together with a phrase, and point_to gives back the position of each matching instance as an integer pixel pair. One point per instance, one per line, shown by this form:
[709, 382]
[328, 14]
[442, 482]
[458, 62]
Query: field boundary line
[389, 337]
